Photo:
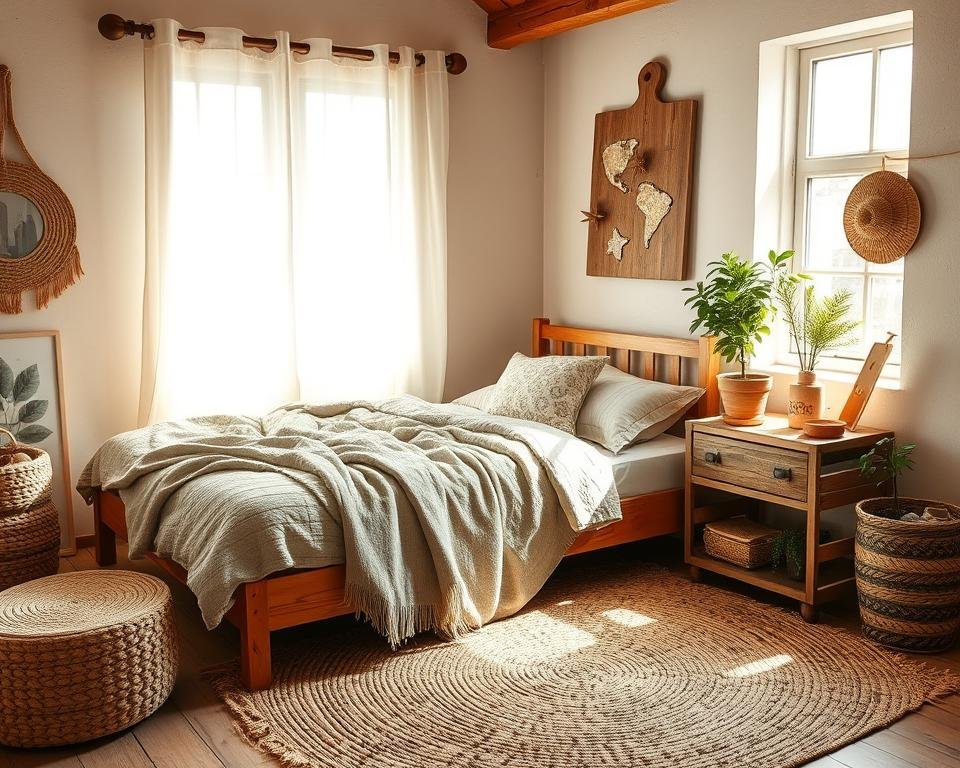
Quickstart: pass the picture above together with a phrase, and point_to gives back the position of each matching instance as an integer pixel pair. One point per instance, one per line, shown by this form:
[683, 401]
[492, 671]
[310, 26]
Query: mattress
[656, 465]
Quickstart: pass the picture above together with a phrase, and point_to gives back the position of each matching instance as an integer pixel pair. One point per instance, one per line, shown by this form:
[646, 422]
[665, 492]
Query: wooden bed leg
[255, 670]
[104, 539]
[696, 575]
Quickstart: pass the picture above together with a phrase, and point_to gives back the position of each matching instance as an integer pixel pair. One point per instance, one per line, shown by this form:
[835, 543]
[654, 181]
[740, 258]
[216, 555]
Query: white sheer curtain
[296, 225]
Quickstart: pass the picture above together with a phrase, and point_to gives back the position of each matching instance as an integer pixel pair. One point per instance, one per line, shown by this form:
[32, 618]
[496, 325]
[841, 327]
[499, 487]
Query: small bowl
[824, 429]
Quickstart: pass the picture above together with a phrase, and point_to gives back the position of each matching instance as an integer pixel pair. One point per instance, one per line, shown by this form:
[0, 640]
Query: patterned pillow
[549, 390]
[621, 409]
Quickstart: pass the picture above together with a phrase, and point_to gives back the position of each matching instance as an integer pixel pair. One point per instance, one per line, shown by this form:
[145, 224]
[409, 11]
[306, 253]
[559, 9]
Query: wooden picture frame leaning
[54, 414]
[50, 261]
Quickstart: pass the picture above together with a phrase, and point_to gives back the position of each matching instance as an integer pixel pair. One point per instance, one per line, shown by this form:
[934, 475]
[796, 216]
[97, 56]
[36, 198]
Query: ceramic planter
[805, 401]
[744, 398]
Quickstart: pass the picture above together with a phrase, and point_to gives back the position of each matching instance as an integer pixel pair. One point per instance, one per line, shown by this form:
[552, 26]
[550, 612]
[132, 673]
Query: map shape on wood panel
[641, 184]
[654, 204]
[616, 157]
[616, 243]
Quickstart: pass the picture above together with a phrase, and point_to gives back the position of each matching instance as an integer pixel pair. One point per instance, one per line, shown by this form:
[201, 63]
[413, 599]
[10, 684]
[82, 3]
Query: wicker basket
[908, 576]
[740, 541]
[26, 483]
[82, 655]
[29, 544]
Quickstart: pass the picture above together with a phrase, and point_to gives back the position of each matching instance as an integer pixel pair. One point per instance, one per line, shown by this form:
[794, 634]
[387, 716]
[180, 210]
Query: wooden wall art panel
[641, 190]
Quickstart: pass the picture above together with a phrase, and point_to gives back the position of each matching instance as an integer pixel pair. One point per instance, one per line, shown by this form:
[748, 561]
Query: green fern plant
[816, 325]
[789, 551]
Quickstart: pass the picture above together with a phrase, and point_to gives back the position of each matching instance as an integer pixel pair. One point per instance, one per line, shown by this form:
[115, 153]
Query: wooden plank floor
[193, 730]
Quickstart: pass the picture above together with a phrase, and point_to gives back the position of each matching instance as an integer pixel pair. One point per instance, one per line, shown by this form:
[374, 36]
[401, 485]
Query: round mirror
[21, 226]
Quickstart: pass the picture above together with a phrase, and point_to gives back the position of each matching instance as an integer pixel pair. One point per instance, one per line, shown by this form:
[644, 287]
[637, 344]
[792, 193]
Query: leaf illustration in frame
[32, 411]
[6, 380]
[35, 433]
[27, 383]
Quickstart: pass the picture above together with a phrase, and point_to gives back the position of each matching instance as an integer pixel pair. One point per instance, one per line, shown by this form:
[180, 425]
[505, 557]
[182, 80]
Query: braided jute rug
[632, 666]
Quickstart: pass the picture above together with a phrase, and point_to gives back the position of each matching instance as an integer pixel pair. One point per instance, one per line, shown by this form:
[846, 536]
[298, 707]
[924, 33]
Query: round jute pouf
[908, 576]
[82, 655]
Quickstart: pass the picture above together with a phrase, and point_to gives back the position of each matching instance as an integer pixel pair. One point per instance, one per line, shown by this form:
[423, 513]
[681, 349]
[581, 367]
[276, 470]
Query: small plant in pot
[907, 558]
[735, 304]
[816, 325]
[789, 550]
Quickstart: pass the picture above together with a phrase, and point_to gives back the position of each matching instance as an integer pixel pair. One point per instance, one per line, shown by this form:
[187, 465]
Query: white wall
[79, 105]
[711, 51]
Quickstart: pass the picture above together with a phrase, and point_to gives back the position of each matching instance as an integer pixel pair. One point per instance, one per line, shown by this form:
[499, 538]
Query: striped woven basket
[908, 576]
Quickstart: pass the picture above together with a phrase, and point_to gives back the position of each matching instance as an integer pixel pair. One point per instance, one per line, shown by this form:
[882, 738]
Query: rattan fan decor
[38, 228]
[881, 217]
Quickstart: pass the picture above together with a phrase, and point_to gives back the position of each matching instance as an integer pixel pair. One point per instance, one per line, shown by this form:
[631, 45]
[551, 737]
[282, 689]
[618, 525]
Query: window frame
[795, 211]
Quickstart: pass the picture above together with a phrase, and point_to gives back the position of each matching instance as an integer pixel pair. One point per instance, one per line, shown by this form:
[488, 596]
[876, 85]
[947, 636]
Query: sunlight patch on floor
[564, 602]
[627, 618]
[528, 639]
[759, 667]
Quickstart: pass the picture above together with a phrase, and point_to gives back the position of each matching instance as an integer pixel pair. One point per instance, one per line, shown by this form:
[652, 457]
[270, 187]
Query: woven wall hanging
[38, 229]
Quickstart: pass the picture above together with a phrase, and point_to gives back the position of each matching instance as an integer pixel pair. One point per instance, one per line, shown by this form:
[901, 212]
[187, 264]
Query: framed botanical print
[32, 408]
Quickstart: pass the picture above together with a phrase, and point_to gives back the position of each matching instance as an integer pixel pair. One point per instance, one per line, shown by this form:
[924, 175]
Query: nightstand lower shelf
[834, 576]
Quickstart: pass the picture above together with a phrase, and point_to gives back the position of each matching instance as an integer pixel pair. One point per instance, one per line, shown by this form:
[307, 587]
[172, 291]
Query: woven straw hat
[882, 217]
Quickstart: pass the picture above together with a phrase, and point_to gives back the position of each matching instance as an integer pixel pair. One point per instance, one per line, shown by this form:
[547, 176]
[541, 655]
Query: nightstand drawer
[779, 471]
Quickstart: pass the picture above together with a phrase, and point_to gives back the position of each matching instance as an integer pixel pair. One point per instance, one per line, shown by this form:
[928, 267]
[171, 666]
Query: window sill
[885, 382]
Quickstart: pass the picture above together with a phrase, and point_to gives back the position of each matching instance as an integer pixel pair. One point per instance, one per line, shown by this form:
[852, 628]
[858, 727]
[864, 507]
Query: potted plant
[907, 559]
[735, 304]
[816, 325]
[790, 551]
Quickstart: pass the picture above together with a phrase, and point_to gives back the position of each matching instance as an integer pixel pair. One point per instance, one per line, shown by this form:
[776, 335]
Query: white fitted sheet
[655, 465]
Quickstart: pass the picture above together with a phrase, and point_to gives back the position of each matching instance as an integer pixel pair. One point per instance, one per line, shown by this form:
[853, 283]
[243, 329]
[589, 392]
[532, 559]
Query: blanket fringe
[398, 623]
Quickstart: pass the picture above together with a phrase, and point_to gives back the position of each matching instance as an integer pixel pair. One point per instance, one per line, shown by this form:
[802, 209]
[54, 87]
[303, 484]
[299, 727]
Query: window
[853, 108]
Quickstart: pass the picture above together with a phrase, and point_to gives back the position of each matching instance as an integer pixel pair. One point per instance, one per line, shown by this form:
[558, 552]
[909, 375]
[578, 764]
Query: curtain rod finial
[456, 63]
[112, 27]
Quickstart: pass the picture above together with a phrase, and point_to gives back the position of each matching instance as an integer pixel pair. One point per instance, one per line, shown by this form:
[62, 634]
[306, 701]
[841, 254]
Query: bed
[648, 477]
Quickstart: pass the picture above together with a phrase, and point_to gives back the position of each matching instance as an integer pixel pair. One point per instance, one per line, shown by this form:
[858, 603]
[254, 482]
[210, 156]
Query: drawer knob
[783, 473]
[712, 457]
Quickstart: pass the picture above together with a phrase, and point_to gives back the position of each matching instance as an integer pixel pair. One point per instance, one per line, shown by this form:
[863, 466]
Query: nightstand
[731, 471]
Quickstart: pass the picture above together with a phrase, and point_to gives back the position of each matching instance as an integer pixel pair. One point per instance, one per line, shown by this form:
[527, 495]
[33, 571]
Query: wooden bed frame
[296, 597]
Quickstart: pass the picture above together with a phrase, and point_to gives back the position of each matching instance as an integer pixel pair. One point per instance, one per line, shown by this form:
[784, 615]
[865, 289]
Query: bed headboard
[657, 358]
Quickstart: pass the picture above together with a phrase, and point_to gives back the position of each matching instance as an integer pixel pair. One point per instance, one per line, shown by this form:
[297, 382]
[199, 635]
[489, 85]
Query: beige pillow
[621, 409]
[549, 390]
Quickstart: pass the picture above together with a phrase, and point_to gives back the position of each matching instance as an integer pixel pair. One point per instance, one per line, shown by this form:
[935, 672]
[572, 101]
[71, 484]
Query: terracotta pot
[806, 400]
[744, 398]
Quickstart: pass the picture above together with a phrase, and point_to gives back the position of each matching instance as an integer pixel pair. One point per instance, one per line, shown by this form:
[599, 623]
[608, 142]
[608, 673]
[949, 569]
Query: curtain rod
[114, 27]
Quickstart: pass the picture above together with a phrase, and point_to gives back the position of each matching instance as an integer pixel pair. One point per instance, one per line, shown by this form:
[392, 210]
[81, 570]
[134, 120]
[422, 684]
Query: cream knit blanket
[445, 520]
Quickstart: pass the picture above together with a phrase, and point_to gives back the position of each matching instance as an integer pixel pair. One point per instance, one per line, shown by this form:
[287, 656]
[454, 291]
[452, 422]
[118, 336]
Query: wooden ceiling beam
[536, 19]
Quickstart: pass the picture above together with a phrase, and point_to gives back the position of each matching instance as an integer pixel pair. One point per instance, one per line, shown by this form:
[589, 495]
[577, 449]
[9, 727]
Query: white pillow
[621, 409]
[477, 399]
[549, 390]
